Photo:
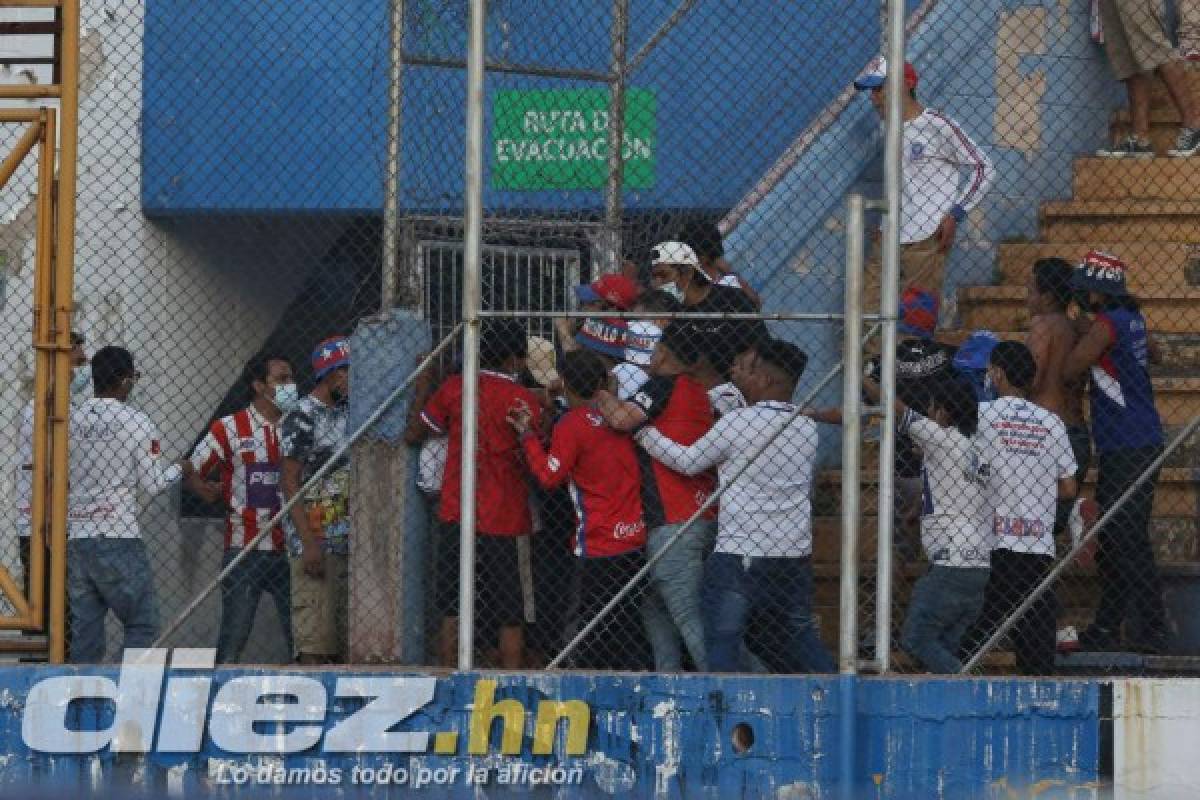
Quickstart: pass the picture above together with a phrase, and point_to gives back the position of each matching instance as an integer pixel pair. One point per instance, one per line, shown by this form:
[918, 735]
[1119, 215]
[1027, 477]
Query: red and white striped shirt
[244, 447]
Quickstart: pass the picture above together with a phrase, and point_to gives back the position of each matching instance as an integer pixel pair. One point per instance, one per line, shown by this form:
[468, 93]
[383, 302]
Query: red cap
[616, 290]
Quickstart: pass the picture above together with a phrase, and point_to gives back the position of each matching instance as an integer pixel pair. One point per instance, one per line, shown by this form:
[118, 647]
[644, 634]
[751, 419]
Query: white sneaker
[1067, 640]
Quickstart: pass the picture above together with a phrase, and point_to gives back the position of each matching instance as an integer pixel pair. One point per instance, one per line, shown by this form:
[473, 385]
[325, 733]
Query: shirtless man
[1052, 335]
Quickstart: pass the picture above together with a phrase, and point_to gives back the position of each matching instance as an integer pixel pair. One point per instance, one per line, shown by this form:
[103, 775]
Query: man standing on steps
[935, 203]
[1129, 438]
[1136, 41]
[1051, 339]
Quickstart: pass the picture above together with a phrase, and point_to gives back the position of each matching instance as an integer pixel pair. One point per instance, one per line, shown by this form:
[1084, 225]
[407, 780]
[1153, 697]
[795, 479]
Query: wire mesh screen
[270, 240]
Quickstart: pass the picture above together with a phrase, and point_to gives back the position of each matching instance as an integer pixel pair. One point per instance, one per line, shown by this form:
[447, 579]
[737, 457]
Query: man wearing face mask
[318, 528]
[81, 391]
[243, 449]
[675, 269]
[114, 455]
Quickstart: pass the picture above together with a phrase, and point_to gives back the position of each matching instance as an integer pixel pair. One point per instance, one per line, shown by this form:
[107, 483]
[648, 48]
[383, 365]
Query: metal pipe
[851, 477]
[894, 133]
[24, 91]
[535, 70]
[851, 438]
[20, 114]
[797, 317]
[709, 503]
[32, 3]
[64, 308]
[21, 149]
[43, 366]
[391, 178]
[1071, 555]
[613, 210]
[316, 478]
[642, 54]
[471, 298]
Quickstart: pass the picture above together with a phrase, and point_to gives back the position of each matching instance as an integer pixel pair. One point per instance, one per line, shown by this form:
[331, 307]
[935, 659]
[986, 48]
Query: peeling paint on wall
[1018, 119]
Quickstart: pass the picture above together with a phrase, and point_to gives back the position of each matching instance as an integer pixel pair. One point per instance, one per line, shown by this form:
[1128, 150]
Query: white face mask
[287, 397]
[81, 381]
[672, 289]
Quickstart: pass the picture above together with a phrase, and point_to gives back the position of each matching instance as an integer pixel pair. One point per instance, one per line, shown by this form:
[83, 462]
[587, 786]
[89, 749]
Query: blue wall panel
[281, 106]
[650, 735]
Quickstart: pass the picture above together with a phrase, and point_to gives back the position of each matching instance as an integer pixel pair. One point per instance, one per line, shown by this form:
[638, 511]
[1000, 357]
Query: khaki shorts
[920, 265]
[319, 608]
[1135, 36]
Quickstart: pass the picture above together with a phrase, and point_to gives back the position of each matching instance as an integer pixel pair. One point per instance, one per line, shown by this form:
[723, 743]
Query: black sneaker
[1188, 143]
[1130, 148]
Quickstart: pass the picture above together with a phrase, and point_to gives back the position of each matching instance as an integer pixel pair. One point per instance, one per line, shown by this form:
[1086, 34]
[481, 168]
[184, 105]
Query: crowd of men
[599, 454]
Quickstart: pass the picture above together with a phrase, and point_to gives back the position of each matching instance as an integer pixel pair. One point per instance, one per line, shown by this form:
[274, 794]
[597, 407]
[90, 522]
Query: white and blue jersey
[1122, 398]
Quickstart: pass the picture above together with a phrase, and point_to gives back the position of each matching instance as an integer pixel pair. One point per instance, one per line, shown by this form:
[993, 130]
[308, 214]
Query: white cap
[673, 253]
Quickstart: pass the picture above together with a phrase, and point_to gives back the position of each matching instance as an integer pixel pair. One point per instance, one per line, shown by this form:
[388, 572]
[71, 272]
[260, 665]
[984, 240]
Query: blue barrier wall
[647, 736]
[281, 106]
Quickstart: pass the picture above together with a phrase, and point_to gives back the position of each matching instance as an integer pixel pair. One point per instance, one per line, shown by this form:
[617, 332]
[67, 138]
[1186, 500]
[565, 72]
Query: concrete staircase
[1148, 213]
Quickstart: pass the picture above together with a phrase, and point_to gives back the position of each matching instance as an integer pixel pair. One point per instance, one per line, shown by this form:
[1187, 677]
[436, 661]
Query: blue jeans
[777, 589]
[105, 574]
[260, 571]
[946, 601]
[671, 606]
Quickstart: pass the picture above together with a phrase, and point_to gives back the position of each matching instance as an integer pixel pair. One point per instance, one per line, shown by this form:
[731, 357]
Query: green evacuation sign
[559, 139]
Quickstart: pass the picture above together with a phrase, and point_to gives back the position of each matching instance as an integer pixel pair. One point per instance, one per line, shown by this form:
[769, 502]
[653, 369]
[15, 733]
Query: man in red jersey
[677, 405]
[600, 465]
[243, 450]
[501, 493]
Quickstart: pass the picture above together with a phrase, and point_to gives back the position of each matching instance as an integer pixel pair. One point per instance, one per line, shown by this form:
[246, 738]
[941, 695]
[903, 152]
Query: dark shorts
[499, 600]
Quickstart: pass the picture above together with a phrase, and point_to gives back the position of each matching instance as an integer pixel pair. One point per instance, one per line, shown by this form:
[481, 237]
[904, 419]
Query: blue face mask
[287, 397]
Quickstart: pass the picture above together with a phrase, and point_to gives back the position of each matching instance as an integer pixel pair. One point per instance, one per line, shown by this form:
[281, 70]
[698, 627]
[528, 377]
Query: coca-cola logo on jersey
[626, 530]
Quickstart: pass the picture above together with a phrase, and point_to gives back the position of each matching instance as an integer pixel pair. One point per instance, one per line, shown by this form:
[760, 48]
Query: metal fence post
[851, 469]
[616, 137]
[391, 178]
[894, 133]
[473, 250]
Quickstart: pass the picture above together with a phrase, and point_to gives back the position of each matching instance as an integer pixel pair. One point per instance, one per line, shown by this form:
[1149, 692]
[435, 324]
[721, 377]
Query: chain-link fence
[271, 238]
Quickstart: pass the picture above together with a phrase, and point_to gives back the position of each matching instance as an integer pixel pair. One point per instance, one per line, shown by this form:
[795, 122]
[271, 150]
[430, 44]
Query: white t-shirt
[114, 452]
[431, 463]
[767, 513]
[725, 398]
[936, 150]
[1023, 453]
[956, 526]
[630, 378]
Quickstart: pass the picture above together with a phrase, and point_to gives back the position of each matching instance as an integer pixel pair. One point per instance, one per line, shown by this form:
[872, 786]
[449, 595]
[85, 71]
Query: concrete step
[1124, 179]
[1164, 127]
[1160, 98]
[1151, 263]
[1188, 452]
[1121, 220]
[1167, 309]
[1180, 351]
[1177, 495]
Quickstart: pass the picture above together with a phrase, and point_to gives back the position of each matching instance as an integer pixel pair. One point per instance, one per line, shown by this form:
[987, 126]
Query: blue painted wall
[281, 106]
[662, 736]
